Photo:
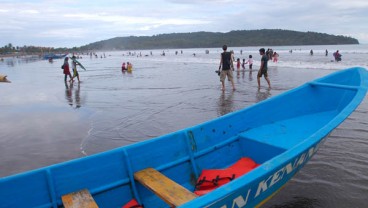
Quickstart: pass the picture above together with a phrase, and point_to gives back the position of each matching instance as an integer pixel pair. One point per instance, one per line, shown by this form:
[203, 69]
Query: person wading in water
[227, 65]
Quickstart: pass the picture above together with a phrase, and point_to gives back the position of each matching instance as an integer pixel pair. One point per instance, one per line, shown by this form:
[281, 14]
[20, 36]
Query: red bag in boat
[213, 178]
[132, 204]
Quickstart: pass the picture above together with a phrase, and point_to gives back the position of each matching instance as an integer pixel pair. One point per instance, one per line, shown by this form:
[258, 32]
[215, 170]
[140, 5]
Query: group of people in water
[249, 62]
[336, 55]
[128, 67]
[226, 67]
[227, 59]
[272, 55]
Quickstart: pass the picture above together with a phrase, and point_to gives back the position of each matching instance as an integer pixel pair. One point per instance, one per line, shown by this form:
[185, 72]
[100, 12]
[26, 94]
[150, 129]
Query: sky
[74, 23]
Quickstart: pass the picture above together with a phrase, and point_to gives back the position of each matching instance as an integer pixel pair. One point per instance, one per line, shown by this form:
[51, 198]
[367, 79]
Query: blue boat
[280, 134]
[53, 56]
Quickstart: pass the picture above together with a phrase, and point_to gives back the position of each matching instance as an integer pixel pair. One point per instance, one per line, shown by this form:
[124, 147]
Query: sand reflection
[73, 101]
[263, 95]
[225, 103]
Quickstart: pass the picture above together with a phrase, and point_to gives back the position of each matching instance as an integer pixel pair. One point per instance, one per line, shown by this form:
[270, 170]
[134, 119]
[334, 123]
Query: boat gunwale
[273, 164]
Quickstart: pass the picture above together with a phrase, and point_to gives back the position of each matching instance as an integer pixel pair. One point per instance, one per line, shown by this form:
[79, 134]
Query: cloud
[202, 1]
[351, 4]
[54, 23]
[29, 11]
[61, 33]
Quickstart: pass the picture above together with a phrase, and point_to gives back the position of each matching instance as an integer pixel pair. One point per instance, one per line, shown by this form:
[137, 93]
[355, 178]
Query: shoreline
[17, 55]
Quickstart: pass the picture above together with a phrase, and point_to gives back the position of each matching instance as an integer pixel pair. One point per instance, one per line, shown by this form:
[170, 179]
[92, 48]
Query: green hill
[265, 37]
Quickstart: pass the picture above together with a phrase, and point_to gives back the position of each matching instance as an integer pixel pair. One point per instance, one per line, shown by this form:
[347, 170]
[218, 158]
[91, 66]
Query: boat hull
[54, 56]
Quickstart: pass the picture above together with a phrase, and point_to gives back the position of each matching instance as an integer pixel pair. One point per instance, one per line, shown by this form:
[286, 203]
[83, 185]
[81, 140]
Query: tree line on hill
[265, 37]
[240, 38]
[26, 50]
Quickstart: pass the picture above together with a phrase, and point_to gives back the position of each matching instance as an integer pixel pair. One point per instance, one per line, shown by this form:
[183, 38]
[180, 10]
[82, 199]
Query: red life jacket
[214, 178]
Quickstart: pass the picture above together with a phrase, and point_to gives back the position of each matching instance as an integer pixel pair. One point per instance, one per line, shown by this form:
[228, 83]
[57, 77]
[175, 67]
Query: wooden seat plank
[165, 188]
[79, 199]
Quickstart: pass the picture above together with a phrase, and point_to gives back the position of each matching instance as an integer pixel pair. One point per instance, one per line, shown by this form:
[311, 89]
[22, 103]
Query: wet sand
[45, 121]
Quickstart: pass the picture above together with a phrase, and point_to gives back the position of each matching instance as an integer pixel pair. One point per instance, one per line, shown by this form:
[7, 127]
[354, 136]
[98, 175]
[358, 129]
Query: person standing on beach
[263, 69]
[226, 64]
[74, 66]
[66, 70]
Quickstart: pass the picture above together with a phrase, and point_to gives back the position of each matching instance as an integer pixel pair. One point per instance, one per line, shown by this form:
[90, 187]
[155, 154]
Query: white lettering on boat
[288, 169]
[239, 201]
[273, 179]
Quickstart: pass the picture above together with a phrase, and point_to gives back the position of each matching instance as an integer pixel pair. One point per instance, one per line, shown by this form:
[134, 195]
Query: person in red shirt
[66, 70]
[123, 67]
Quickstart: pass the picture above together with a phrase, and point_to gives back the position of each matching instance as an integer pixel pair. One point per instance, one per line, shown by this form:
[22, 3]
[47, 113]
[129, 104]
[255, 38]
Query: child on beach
[66, 70]
[238, 64]
[243, 64]
[250, 62]
[129, 67]
[275, 56]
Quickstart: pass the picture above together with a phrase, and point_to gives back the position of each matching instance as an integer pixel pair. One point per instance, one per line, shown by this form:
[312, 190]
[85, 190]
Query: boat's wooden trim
[79, 199]
[334, 85]
[169, 191]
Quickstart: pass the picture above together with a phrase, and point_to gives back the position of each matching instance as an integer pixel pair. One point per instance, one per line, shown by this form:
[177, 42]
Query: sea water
[45, 121]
